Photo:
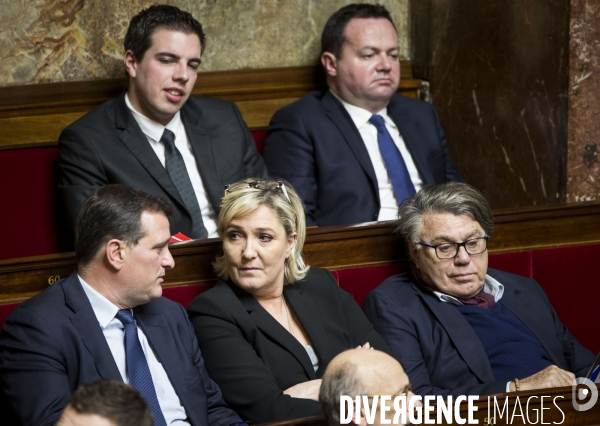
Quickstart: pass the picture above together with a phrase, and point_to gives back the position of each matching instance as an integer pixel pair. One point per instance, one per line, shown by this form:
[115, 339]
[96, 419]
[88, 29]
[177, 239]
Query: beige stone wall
[66, 40]
[583, 160]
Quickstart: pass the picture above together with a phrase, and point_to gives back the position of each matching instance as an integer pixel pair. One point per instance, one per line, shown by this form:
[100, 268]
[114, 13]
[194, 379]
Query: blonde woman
[270, 326]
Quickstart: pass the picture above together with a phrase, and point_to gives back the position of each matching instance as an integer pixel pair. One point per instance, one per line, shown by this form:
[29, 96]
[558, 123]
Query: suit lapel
[160, 337]
[311, 320]
[137, 142]
[201, 143]
[86, 323]
[462, 335]
[526, 311]
[269, 326]
[412, 138]
[336, 112]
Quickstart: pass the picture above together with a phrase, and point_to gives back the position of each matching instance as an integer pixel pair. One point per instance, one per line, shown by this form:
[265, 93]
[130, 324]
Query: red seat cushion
[28, 197]
[184, 294]
[27, 227]
[517, 263]
[360, 281]
[259, 139]
[6, 310]
[570, 279]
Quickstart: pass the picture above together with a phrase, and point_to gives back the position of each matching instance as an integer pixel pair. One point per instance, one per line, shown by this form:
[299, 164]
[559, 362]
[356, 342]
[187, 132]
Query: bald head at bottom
[359, 372]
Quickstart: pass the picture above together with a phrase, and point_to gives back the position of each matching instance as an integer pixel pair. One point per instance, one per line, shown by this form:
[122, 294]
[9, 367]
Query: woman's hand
[306, 390]
[365, 346]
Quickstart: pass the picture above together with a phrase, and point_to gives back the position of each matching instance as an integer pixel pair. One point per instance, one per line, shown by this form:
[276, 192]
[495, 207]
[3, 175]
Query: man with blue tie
[108, 320]
[357, 150]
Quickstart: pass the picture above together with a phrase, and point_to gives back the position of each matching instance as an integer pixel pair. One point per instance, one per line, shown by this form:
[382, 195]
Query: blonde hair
[242, 198]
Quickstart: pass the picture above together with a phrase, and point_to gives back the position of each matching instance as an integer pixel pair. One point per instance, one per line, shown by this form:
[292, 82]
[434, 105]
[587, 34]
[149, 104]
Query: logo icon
[582, 394]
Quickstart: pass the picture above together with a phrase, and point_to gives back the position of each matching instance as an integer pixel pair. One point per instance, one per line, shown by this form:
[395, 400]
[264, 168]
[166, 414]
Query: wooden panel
[500, 82]
[35, 115]
[33, 131]
[332, 247]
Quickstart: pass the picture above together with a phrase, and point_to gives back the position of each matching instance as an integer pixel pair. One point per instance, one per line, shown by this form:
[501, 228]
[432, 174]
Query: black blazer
[314, 144]
[52, 344]
[440, 351]
[107, 146]
[254, 359]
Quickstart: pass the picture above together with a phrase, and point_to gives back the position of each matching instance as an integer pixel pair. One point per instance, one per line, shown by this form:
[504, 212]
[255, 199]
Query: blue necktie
[137, 366]
[181, 179]
[394, 163]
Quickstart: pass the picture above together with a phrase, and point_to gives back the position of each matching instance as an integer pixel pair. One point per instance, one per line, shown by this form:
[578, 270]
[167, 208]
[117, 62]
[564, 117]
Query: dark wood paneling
[332, 247]
[35, 115]
[499, 79]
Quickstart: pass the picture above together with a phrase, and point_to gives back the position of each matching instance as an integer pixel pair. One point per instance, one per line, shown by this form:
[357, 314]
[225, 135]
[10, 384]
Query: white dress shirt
[491, 286]
[154, 132]
[114, 332]
[388, 202]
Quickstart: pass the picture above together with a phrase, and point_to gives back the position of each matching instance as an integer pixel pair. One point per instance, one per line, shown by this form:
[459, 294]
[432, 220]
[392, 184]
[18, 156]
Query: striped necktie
[181, 179]
[137, 366]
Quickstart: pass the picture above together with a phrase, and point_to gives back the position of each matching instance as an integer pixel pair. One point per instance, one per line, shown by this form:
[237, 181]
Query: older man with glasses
[458, 327]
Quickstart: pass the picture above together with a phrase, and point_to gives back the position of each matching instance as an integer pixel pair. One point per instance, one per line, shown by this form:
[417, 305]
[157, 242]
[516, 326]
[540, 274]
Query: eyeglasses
[265, 185]
[404, 392]
[450, 250]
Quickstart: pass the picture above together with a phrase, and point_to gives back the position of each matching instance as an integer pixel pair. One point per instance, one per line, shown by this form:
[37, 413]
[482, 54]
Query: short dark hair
[113, 211]
[143, 25]
[333, 37]
[113, 400]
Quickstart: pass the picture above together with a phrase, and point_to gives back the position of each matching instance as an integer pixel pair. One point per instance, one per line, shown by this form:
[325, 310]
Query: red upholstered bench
[567, 275]
[27, 224]
[185, 294]
[28, 190]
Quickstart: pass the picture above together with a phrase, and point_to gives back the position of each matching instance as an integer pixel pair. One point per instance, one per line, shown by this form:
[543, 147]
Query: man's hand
[306, 390]
[549, 377]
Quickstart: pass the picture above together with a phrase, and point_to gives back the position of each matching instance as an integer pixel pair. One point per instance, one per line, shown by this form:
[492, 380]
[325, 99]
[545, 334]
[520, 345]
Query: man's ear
[115, 253]
[412, 253]
[329, 62]
[130, 63]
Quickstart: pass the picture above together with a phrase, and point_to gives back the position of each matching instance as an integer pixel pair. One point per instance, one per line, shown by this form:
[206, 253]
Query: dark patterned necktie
[137, 366]
[181, 179]
[394, 163]
[482, 299]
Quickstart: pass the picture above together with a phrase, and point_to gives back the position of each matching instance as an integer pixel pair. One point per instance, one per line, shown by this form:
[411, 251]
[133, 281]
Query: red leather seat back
[571, 281]
[27, 224]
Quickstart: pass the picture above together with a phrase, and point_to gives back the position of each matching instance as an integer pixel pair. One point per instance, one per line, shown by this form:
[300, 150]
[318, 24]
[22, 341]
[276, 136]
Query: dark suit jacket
[314, 144]
[440, 351]
[254, 359]
[108, 146]
[52, 344]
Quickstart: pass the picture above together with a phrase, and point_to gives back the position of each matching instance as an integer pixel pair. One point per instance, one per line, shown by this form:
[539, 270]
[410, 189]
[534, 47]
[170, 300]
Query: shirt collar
[490, 286]
[104, 309]
[361, 116]
[151, 128]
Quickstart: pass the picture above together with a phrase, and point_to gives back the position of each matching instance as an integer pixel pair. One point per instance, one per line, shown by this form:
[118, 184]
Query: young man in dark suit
[108, 320]
[156, 137]
[355, 151]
